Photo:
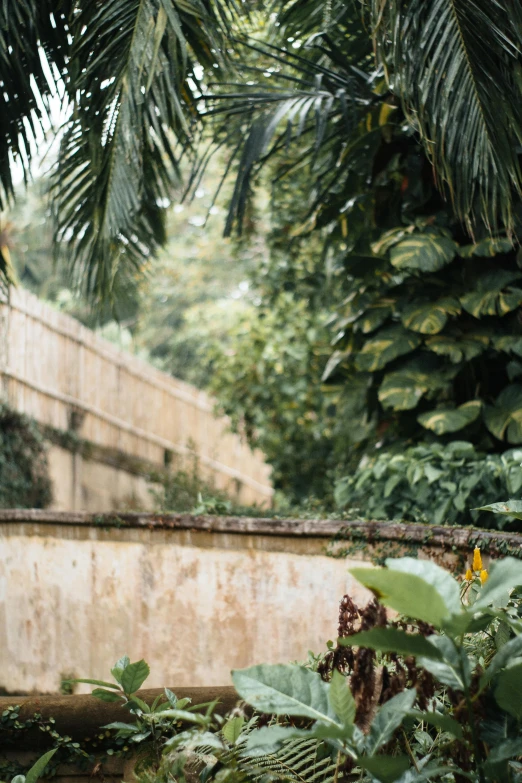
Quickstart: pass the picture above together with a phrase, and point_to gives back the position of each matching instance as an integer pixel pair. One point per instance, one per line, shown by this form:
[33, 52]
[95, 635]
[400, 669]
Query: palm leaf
[300, 106]
[119, 157]
[456, 66]
[31, 33]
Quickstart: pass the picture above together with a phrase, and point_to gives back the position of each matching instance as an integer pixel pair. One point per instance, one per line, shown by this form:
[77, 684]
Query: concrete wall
[195, 597]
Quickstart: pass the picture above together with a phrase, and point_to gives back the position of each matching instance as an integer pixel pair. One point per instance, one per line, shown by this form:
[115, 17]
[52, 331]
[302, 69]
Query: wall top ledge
[459, 537]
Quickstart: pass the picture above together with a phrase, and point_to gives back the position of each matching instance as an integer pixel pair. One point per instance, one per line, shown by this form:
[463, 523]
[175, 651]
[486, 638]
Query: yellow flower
[469, 575]
[477, 560]
[484, 576]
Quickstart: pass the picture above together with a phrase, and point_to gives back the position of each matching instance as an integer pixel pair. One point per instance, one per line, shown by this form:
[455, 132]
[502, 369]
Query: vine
[91, 750]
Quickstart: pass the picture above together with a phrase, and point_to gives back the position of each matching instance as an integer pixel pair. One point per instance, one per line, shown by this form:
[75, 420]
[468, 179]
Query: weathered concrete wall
[195, 597]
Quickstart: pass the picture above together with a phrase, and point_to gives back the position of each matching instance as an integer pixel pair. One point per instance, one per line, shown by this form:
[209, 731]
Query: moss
[24, 471]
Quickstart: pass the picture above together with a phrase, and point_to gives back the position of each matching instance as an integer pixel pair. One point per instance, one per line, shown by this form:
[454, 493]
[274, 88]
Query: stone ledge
[461, 538]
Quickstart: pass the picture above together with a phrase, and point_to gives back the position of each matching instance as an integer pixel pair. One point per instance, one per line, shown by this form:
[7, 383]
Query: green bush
[434, 482]
[24, 475]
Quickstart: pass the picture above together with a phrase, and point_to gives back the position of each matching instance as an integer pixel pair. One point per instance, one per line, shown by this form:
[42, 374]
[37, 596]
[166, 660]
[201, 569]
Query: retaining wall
[194, 596]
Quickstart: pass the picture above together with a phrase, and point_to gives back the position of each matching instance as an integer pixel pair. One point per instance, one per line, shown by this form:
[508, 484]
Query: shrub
[434, 482]
[24, 475]
[433, 694]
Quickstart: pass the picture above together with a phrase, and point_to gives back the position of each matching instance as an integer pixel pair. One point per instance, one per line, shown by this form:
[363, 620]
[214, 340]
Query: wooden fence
[59, 372]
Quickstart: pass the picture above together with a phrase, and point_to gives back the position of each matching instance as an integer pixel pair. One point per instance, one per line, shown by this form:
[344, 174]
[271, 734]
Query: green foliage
[268, 384]
[413, 735]
[24, 477]
[455, 68]
[426, 332]
[401, 700]
[443, 484]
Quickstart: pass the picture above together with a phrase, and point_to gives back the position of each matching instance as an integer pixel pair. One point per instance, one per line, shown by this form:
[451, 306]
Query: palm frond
[134, 90]
[33, 33]
[456, 65]
[297, 98]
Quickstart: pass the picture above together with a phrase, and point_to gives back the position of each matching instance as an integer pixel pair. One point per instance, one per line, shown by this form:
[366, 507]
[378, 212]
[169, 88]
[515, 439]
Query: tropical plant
[118, 161]
[268, 383]
[456, 68]
[442, 699]
[119, 153]
[438, 483]
[427, 328]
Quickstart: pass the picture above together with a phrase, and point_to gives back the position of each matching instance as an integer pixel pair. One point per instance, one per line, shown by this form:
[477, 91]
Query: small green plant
[434, 482]
[151, 725]
[37, 770]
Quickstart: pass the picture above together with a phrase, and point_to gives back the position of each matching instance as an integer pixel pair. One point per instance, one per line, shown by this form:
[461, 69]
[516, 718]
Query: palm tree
[457, 67]
[130, 73]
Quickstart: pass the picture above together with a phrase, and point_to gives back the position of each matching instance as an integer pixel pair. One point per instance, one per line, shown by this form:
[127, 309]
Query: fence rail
[55, 367]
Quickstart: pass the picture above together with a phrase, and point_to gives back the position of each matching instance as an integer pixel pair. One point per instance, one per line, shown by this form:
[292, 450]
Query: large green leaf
[403, 388]
[38, 768]
[406, 593]
[386, 346]
[509, 508]
[233, 728]
[119, 666]
[118, 165]
[508, 692]
[285, 689]
[454, 668]
[504, 418]
[373, 317]
[512, 649]
[107, 696]
[509, 344]
[134, 675]
[430, 318]
[487, 248]
[341, 699]
[493, 294]
[432, 574]
[504, 575]
[444, 420]
[458, 348]
[423, 253]
[391, 640]
[388, 719]
[455, 67]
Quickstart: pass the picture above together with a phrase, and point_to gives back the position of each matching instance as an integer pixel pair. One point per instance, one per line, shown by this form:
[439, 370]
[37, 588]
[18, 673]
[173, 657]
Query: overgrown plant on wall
[24, 476]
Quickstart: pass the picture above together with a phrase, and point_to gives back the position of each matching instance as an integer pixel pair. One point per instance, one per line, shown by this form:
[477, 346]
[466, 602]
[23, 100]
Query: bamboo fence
[53, 369]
